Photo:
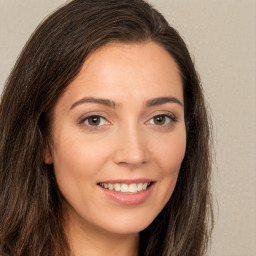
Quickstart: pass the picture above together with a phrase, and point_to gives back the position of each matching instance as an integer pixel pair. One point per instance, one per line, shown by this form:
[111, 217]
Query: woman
[104, 138]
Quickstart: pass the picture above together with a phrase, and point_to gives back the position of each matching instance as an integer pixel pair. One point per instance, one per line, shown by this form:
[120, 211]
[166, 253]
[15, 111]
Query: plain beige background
[221, 35]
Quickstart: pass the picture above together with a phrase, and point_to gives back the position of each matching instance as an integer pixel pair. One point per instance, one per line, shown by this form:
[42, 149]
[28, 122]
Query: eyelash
[171, 118]
[85, 121]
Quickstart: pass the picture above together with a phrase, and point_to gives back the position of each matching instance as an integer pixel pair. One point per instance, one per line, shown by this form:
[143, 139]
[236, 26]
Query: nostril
[131, 148]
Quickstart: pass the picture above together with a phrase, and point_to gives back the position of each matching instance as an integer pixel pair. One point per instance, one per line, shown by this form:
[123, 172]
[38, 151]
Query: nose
[131, 148]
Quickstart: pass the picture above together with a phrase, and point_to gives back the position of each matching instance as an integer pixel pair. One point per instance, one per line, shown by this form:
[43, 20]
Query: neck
[88, 239]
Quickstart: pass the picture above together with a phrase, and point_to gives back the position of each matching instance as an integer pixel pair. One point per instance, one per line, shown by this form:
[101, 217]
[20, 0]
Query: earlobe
[48, 157]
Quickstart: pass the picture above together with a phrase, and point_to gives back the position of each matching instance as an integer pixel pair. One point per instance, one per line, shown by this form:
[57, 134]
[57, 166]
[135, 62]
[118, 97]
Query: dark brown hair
[30, 204]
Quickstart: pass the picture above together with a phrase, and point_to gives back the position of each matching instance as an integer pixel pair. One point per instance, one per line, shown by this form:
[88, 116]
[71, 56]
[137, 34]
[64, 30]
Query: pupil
[159, 119]
[94, 120]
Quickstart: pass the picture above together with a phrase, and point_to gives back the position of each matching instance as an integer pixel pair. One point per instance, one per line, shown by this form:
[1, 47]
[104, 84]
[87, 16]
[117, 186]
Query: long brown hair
[31, 210]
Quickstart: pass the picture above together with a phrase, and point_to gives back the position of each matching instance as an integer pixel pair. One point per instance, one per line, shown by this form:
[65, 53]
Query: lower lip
[128, 198]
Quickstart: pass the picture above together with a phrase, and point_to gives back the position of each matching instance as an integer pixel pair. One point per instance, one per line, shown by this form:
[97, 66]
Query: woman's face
[119, 137]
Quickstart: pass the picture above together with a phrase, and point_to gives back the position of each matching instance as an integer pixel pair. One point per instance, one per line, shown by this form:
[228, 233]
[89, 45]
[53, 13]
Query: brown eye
[159, 120]
[95, 121]
[162, 119]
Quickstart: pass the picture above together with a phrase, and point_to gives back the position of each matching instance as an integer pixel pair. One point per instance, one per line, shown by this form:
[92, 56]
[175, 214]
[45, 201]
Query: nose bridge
[132, 145]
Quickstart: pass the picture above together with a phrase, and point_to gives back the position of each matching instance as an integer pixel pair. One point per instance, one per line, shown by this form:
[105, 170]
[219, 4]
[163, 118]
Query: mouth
[128, 192]
[126, 187]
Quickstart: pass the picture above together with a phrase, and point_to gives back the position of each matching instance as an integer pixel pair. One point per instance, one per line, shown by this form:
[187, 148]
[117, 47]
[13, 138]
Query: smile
[125, 188]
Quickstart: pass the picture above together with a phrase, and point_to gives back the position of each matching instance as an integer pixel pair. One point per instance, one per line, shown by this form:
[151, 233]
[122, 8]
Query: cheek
[169, 156]
[77, 163]
[77, 155]
[171, 151]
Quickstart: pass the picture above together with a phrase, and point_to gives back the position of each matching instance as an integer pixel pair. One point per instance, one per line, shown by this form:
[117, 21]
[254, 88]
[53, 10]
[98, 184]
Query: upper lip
[127, 181]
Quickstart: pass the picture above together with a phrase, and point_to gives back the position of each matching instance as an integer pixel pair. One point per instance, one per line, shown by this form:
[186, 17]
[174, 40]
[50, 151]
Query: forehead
[127, 69]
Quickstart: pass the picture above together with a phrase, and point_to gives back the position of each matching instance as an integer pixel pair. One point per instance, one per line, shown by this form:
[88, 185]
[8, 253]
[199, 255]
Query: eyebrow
[162, 100]
[112, 104]
[105, 102]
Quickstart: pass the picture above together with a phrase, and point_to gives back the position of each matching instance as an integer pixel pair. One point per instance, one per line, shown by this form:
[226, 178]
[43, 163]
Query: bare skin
[120, 122]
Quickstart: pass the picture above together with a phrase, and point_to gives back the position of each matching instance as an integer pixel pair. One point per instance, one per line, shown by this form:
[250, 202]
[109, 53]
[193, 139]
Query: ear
[48, 156]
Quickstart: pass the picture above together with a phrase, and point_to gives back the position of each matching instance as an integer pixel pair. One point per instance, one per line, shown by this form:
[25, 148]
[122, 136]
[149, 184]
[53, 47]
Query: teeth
[133, 188]
[144, 186]
[117, 187]
[125, 188]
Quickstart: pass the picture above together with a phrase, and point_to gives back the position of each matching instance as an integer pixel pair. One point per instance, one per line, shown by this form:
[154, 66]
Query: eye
[95, 121]
[162, 119]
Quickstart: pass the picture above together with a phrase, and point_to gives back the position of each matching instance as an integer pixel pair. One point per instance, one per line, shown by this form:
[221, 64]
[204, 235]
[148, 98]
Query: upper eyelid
[86, 116]
[96, 116]
[170, 116]
[82, 120]
[160, 113]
